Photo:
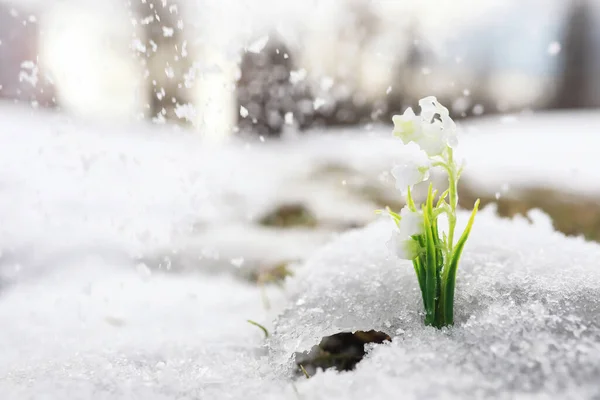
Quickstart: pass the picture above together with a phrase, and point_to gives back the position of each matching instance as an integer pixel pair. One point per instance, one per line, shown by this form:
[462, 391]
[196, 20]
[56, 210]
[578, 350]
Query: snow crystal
[169, 72]
[527, 316]
[258, 45]
[326, 83]
[298, 76]
[554, 48]
[289, 118]
[29, 73]
[317, 103]
[168, 31]
[186, 111]
[478, 109]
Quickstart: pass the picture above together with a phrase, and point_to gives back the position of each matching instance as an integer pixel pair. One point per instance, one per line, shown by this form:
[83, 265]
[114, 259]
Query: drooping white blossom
[402, 243]
[432, 139]
[433, 130]
[409, 173]
[430, 108]
[407, 126]
[411, 222]
[403, 248]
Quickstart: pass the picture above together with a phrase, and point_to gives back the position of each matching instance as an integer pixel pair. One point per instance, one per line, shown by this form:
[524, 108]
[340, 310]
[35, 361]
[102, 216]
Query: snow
[258, 44]
[71, 189]
[554, 48]
[121, 250]
[100, 331]
[548, 150]
[527, 316]
[143, 193]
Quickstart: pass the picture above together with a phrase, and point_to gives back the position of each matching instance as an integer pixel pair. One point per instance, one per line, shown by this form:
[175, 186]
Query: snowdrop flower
[434, 132]
[407, 126]
[409, 173]
[411, 222]
[430, 108]
[430, 133]
[432, 140]
[403, 248]
[402, 243]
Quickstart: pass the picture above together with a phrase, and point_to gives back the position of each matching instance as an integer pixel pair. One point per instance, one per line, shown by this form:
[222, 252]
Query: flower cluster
[416, 236]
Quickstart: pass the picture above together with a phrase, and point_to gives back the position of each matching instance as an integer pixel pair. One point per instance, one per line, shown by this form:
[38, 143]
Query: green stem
[453, 194]
[409, 201]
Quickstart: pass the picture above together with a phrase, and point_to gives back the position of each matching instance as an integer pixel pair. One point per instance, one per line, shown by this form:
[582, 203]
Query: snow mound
[96, 330]
[527, 316]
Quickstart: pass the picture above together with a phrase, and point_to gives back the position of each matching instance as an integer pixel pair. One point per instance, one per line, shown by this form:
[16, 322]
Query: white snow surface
[527, 317]
[556, 150]
[528, 326]
[81, 317]
[97, 330]
[69, 189]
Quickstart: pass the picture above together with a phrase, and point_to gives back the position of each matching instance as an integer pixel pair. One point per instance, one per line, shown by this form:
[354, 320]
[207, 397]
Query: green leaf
[420, 278]
[449, 279]
[431, 262]
[304, 371]
[439, 313]
[262, 328]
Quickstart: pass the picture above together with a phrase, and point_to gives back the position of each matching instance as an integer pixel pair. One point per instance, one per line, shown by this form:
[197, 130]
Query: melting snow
[84, 313]
[528, 319]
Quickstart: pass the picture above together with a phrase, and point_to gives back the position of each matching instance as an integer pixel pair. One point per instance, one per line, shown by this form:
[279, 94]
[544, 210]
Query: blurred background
[266, 70]
[227, 66]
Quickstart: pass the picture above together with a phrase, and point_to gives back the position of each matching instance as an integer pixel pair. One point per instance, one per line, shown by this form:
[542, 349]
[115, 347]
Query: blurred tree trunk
[164, 57]
[577, 50]
[264, 90]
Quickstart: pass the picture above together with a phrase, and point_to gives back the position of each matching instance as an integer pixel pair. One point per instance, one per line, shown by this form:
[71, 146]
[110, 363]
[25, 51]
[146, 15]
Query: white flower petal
[409, 173]
[403, 248]
[433, 130]
[407, 126]
[433, 140]
[448, 123]
[411, 222]
[429, 107]
[452, 140]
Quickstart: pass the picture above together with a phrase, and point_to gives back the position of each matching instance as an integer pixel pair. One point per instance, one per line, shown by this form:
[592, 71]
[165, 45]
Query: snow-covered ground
[527, 317]
[89, 215]
[547, 150]
[142, 193]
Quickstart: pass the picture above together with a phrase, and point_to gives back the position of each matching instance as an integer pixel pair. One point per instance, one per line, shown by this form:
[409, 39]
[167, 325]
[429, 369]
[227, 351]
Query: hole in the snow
[341, 351]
